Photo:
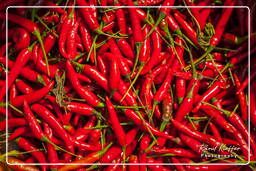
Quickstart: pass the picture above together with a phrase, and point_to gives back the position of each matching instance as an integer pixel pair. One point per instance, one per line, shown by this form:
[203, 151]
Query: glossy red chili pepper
[53, 122]
[82, 109]
[157, 165]
[189, 31]
[18, 132]
[71, 41]
[180, 87]
[164, 88]
[91, 158]
[242, 99]
[32, 97]
[114, 71]
[115, 124]
[21, 38]
[23, 87]
[89, 96]
[41, 65]
[20, 62]
[86, 40]
[191, 143]
[120, 16]
[28, 146]
[130, 114]
[196, 134]
[88, 16]
[125, 48]
[221, 25]
[12, 123]
[123, 66]
[215, 131]
[210, 93]
[51, 151]
[14, 164]
[155, 54]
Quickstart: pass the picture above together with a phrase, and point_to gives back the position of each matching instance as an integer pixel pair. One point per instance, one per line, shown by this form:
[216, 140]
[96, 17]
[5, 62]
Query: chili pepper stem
[162, 15]
[210, 48]
[133, 81]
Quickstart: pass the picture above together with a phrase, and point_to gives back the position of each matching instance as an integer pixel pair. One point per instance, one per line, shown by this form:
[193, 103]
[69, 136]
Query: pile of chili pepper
[128, 85]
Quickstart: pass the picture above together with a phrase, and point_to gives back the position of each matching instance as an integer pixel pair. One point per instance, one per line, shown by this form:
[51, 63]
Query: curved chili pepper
[45, 114]
[215, 131]
[125, 48]
[21, 61]
[242, 99]
[18, 132]
[120, 16]
[32, 97]
[66, 26]
[91, 158]
[71, 41]
[130, 114]
[210, 93]
[12, 123]
[114, 73]
[23, 87]
[28, 146]
[51, 151]
[89, 96]
[155, 55]
[82, 109]
[21, 38]
[15, 161]
[195, 134]
[117, 128]
[86, 40]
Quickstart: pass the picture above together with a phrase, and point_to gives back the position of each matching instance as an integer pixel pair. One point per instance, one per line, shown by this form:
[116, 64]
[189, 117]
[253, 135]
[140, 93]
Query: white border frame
[104, 164]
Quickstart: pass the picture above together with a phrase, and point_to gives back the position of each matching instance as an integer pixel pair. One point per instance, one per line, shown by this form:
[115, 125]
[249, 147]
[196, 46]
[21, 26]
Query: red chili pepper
[117, 128]
[220, 27]
[215, 131]
[185, 107]
[195, 134]
[28, 146]
[210, 93]
[89, 18]
[123, 66]
[157, 165]
[45, 114]
[242, 99]
[134, 160]
[71, 41]
[21, 38]
[89, 96]
[125, 48]
[114, 72]
[91, 158]
[20, 62]
[191, 143]
[120, 16]
[130, 114]
[82, 109]
[18, 132]
[41, 65]
[12, 123]
[189, 31]
[14, 164]
[23, 87]
[32, 97]
[51, 151]
[157, 46]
